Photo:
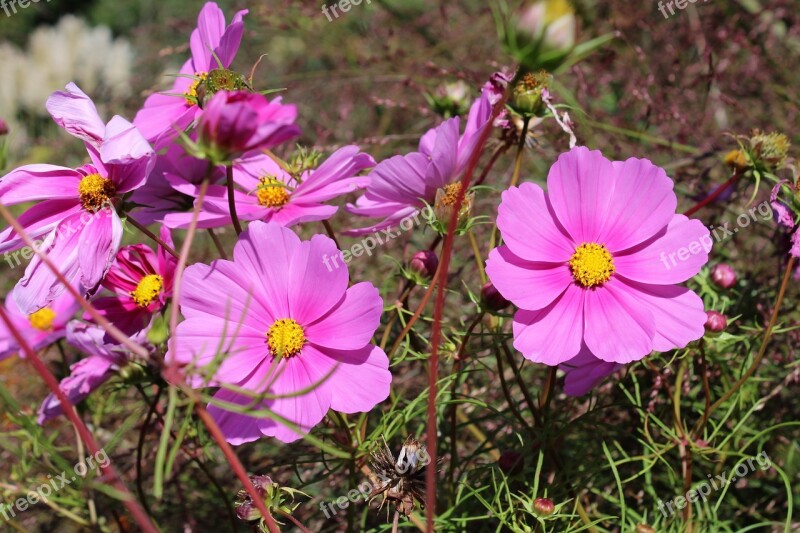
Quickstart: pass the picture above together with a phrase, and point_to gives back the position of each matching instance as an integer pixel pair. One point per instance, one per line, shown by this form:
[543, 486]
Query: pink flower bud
[3, 127]
[723, 276]
[493, 300]
[544, 506]
[236, 122]
[424, 263]
[716, 322]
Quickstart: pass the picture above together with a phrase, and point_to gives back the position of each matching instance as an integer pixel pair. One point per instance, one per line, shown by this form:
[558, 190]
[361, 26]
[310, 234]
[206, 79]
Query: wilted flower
[236, 122]
[526, 97]
[401, 481]
[769, 149]
[737, 160]
[277, 499]
[723, 275]
[715, 322]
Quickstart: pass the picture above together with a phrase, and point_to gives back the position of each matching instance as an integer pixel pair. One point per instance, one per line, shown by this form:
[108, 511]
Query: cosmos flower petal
[618, 328]
[86, 376]
[361, 379]
[584, 372]
[676, 254]
[74, 111]
[33, 183]
[678, 312]
[510, 274]
[580, 187]
[527, 229]
[238, 428]
[551, 335]
[127, 155]
[314, 287]
[642, 204]
[38, 221]
[98, 244]
[352, 323]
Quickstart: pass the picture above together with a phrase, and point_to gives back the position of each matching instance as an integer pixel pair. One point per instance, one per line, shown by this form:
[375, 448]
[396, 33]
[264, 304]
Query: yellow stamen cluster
[285, 338]
[591, 265]
[147, 290]
[42, 319]
[272, 192]
[191, 93]
[95, 191]
[450, 195]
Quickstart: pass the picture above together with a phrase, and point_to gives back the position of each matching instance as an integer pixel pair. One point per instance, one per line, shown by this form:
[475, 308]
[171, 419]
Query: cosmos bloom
[156, 198]
[275, 321]
[593, 263]
[142, 280]
[267, 192]
[75, 212]
[235, 122]
[584, 372]
[39, 329]
[87, 375]
[401, 185]
[213, 47]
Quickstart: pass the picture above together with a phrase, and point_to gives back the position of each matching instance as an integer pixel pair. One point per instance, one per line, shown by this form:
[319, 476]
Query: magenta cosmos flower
[265, 191]
[592, 264]
[276, 321]
[401, 185]
[39, 329]
[104, 359]
[75, 212]
[213, 46]
[142, 280]
[235, 122]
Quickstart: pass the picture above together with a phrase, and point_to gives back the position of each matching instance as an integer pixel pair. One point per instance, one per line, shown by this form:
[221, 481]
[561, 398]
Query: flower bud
[723, 276]
[492, 298]
[233, 123]
[3, 127]
[716, 322]
[511, 462]
[450, 99]
[544, 34]
[544, 506]
[527, 94]
[424, 263]
[445, 203]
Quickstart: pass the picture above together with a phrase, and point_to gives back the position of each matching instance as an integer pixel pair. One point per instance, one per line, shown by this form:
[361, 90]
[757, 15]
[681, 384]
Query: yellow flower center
[591, 265]
[450, 194]
[191, 93]
[42, 319]
[285, 338]
[272, 192]
[95, 191]
[147, 290]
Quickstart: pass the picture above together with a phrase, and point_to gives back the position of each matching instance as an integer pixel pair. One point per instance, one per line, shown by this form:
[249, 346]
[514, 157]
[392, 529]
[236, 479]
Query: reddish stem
[713, 196]
[142, 520]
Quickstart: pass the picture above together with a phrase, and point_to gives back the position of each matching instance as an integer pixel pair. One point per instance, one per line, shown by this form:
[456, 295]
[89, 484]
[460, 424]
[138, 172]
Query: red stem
[142, 520]
[713, 196]
[433, 370]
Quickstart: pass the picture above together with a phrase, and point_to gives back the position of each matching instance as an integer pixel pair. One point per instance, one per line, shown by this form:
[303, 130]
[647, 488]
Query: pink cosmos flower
[593, 263]
[75, 211]
[40, 329]
[142, 280]
[275, 321]
[584, 372]
[265, 191]
[87, 375]
[401, 185]
[235, 122]
[165, 115]
[156, 198]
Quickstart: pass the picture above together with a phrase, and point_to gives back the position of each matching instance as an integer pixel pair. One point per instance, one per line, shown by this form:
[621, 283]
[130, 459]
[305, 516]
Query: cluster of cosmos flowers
[272, 329]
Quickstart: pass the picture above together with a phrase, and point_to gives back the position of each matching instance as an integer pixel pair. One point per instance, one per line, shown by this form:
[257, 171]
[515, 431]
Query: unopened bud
[511, 462]
[716, 322]
[492, 298]
[3, 127]
[424, 263]
[723, 276]
[544, 506]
